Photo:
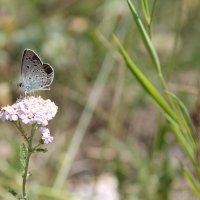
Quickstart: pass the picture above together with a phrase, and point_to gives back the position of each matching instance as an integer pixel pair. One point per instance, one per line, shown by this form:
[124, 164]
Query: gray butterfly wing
[35, 74]
[48, 76]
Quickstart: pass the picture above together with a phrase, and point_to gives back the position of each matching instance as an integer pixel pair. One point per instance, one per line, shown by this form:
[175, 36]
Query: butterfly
[36, 75]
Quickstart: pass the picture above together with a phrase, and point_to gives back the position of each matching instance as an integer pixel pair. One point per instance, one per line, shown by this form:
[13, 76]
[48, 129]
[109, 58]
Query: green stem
[151, 18]
[21, 130]
[150, 47]
[30, 151]
[35, 147]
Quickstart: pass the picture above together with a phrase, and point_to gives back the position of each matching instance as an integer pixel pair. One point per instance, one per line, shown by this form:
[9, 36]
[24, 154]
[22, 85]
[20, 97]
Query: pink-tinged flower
[30, 110]
[46, 137]
[8, 113]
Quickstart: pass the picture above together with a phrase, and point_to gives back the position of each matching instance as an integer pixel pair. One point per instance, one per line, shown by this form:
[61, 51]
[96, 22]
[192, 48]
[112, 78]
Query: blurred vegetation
[125, 143]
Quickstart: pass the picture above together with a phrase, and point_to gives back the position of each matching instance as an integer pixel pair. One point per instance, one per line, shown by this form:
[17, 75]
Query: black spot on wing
[35, 57]
[47, 68]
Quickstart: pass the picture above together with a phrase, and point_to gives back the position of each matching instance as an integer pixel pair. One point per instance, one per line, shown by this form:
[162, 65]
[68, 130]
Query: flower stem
[29, 153]
[21, 130]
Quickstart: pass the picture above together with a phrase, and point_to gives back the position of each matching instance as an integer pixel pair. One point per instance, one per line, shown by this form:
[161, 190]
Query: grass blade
[191, 180]
[145, 8]
[146, 39]
[152, 91]
[185, 119]
[183, 142]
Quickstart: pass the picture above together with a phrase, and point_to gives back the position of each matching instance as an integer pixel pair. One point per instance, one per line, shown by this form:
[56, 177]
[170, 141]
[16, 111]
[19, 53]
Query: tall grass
[175, 112]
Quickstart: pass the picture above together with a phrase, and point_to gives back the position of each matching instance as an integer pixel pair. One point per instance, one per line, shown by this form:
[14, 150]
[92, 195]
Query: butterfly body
[35, 74]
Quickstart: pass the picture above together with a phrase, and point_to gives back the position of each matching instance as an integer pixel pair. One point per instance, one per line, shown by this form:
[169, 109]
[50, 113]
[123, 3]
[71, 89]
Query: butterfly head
[22, 87]
[19, 85]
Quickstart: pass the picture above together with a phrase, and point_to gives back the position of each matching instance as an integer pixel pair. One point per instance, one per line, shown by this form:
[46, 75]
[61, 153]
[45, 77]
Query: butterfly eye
[27, 66]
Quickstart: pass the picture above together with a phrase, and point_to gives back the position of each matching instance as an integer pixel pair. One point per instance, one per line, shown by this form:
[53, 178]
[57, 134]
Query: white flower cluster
[32, 110]
[46, 137]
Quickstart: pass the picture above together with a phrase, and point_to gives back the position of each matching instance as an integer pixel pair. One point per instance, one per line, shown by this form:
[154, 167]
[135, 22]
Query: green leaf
[185, 120]
[146, 84]
[180, 137]
[43, 150]
[145, 8]
[15, 194]
[194, 184]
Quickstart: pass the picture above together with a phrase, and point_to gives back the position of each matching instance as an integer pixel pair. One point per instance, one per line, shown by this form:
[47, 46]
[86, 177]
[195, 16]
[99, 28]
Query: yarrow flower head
[32, 110]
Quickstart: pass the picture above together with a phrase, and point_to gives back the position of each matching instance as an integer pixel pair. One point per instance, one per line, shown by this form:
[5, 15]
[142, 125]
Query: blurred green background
[126, 150]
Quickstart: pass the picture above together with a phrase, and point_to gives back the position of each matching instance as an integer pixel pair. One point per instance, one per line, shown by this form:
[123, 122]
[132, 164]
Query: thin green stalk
[35, 147]
[191, 180]
[21, 130]
[183, 142]
[148, 44]
[151, 18]
[145, 37]
[145, 7]
[25, 175]
[151, 50]
[30, 151]
[147, 85]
